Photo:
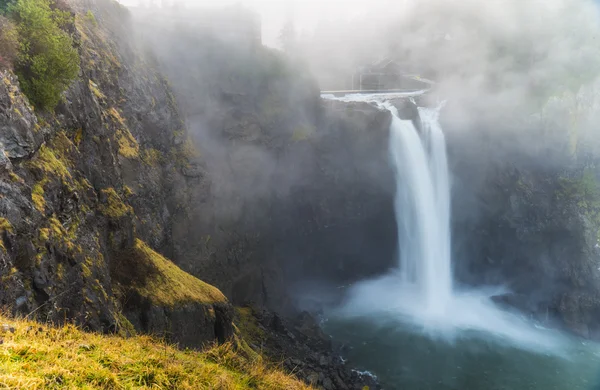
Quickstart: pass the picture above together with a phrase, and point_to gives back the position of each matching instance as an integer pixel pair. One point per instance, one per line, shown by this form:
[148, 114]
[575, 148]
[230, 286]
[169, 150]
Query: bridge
[400, 92]
[384, 77]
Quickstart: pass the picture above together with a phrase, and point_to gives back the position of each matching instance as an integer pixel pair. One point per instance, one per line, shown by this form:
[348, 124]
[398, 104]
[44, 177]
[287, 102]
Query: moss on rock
[160, 281]
[114, 207]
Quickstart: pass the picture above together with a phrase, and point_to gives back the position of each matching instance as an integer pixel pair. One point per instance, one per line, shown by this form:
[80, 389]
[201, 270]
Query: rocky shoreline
[307, 353]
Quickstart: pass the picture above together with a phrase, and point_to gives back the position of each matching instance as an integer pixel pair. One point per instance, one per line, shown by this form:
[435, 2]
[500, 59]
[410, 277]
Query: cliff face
[527, 220]
[81, 185]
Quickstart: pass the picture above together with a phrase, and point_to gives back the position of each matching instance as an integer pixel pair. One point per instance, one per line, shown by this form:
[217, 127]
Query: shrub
[4, 4]
[8, 43]
[47, 61]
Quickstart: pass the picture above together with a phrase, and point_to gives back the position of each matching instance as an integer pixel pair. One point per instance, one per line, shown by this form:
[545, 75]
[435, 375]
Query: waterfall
[422, 206]
[421, 291]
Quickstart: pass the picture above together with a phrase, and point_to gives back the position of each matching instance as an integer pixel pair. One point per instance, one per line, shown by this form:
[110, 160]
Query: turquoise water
[404, 356]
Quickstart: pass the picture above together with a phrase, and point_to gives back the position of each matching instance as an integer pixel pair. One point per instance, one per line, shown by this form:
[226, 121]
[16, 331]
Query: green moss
[15, 178]
[96, 91]
[128, 191]
[5, 226]
[157, 279]
[152, 157]
[47, 161]
[37, 195]
[114, 206]
[116, 116]
[44, 234]
[85, 271]
[128, 146]
[55, 233]
[248, 326]
[52, 161]
[60, 272]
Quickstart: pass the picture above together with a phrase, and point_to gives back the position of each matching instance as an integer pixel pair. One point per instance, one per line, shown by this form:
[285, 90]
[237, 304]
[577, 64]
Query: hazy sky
[305, 13]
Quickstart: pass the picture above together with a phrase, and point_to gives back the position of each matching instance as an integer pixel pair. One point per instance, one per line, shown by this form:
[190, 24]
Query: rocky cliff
[86, 192]
[525, 217]
[236, 172]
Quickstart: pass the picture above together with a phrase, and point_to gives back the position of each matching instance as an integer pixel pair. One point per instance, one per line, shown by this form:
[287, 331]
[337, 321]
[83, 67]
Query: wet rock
[312, 360]
[22, 300]
[18, 134]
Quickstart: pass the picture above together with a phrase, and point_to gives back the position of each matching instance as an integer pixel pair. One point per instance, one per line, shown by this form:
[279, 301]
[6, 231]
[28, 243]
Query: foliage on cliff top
[47, 61]
[143, 271]
[42, 357]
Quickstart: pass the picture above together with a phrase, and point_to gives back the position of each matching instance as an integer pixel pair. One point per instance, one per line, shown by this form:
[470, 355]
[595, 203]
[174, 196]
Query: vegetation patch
[56, 233]
[151, 276]
[128, 146]
[585, 191]
[37, 195]
[41, 357]
[47, 61]
[48, 162]
[96, 91]
[248, 326]
[114, 207]
[152, 157]
[5, 227]
[15, 178]
[52, 161]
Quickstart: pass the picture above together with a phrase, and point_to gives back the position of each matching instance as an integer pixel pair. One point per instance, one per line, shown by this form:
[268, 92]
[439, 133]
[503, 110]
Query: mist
[300, 202]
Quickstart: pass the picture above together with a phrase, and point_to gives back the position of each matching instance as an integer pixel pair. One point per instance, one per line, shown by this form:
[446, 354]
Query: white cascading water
[421, 290]
[423, 206]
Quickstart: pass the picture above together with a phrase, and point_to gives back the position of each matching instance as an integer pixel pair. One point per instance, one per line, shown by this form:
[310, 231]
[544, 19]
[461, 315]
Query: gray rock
[312, 378]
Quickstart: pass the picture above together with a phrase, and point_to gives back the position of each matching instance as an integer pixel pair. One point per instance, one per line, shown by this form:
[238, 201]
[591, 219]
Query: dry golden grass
[42, 357]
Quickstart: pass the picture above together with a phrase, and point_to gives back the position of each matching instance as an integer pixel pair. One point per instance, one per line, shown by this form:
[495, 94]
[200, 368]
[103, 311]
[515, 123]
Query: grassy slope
[160, 281]
[41, 357]
[33, 356]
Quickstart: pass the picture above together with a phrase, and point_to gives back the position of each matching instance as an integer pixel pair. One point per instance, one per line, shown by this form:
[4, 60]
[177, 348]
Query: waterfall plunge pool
[407, 355]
